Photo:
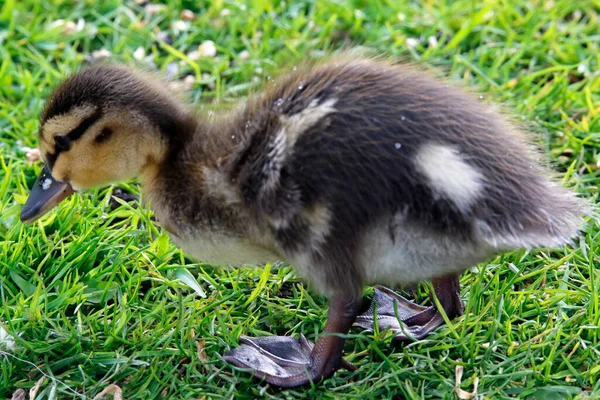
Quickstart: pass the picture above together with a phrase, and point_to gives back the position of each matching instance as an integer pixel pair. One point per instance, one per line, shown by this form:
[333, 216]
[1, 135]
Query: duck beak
[46, 193]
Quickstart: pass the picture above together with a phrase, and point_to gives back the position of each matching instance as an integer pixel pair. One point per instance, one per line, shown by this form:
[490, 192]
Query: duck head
[102, 125]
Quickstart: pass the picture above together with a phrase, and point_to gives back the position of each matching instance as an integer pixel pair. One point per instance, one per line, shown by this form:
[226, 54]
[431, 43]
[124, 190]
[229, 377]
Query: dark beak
[46, 193]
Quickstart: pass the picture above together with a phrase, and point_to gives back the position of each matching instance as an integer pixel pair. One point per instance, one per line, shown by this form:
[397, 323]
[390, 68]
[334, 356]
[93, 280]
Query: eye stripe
[75, 134]
[84, 125]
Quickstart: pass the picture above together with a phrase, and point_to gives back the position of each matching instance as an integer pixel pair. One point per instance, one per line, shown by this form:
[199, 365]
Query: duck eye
[62, 143]
[103, 135]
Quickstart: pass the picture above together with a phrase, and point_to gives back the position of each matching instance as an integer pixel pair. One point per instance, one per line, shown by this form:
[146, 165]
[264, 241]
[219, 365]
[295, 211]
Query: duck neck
[175, 137]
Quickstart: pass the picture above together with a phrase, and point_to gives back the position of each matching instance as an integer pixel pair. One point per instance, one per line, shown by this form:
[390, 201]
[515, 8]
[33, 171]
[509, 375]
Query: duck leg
[407, 319]
[288, 362]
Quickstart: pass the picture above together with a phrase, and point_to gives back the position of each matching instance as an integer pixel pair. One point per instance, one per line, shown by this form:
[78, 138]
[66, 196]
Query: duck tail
[555, 221]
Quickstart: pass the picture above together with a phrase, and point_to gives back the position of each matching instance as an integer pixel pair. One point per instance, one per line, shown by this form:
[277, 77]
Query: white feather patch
[449, 175]
[285, 139]
[294, 125]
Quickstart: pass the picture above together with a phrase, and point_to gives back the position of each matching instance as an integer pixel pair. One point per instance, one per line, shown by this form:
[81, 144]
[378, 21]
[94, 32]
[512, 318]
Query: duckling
[356, 172]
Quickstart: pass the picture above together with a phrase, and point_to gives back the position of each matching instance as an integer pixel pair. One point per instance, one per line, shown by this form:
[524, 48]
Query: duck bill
[46, 193]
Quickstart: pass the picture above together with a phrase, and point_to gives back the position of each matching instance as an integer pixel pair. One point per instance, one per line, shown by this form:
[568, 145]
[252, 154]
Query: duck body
[361, 173]
[357, 172]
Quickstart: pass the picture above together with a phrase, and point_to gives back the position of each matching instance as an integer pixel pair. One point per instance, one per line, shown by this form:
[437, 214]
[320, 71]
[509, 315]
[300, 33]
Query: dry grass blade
[201, 352]
[462, 394]
[33, 391]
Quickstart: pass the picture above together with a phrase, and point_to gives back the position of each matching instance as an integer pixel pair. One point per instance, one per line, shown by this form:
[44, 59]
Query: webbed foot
[407, 320]
[288, 362]
[283, 361]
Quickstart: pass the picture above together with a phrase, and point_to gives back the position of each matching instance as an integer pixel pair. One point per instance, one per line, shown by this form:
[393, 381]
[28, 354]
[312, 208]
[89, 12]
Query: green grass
[95, 297]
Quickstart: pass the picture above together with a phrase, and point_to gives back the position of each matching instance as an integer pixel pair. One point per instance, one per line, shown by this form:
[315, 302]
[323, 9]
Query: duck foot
[410, 321]
[288, 362]
[280, 360]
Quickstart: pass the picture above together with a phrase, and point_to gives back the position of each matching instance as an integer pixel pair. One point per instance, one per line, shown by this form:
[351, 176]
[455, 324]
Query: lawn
[94, 294]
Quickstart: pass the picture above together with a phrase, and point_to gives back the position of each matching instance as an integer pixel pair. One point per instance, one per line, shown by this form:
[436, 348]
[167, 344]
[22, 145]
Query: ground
[92, 296]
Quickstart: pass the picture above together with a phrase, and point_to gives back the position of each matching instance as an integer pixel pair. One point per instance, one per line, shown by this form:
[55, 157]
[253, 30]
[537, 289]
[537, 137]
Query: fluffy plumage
[331, 154]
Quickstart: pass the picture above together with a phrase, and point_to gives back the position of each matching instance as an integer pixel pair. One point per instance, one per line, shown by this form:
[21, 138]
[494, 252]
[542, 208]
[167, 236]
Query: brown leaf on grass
[463, 394]
[19, 394]
[201, 352]
[110, 389]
